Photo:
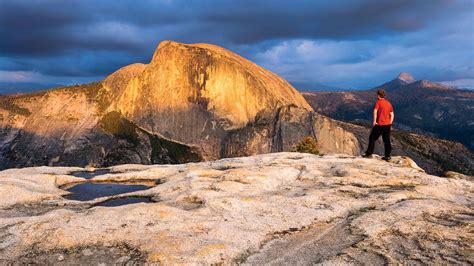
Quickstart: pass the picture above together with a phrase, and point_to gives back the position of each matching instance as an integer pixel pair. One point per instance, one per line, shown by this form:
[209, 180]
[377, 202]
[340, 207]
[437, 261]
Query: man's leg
[374, 135]
[386, 140]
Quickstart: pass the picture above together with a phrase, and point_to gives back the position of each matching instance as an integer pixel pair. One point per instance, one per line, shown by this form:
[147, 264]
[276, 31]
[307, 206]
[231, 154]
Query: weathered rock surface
[281, 208]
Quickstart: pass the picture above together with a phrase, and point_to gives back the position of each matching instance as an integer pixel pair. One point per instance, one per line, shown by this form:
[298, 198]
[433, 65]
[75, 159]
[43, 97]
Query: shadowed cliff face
[282, 130]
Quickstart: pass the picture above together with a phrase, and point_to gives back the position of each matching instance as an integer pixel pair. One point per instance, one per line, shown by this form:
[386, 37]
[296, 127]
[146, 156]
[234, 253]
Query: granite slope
[275, 208]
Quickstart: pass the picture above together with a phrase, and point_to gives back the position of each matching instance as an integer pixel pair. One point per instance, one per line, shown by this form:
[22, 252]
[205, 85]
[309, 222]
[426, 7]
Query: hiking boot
[365, 155]
[386, 158]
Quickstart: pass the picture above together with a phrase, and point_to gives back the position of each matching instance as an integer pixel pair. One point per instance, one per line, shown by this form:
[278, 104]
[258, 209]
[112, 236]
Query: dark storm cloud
[45, 27]
[57, 38]
[38, 28]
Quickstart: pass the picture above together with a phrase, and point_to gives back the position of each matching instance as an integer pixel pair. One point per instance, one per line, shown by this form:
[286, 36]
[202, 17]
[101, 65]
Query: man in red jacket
[383, 119]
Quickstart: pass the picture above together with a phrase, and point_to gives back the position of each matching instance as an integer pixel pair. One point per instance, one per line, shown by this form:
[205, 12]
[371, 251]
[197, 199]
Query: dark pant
[378, 130]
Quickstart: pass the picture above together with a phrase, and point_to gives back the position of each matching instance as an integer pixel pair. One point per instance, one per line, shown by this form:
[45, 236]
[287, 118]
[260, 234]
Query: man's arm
[375, 118]
[392, 116]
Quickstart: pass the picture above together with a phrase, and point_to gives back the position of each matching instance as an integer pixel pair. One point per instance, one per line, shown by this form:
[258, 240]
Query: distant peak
[406, 77]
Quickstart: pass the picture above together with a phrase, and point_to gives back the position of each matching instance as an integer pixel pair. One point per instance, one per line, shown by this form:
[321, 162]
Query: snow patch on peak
[406, 77]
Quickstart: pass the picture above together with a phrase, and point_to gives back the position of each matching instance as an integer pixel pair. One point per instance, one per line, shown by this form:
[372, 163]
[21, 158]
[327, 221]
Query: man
[383, 119]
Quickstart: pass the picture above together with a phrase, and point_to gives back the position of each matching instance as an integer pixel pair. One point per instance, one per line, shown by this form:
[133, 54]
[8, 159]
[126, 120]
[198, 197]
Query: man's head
[381, 94]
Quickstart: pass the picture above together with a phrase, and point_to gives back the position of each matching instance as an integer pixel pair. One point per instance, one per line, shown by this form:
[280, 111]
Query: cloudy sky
[345, 44]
